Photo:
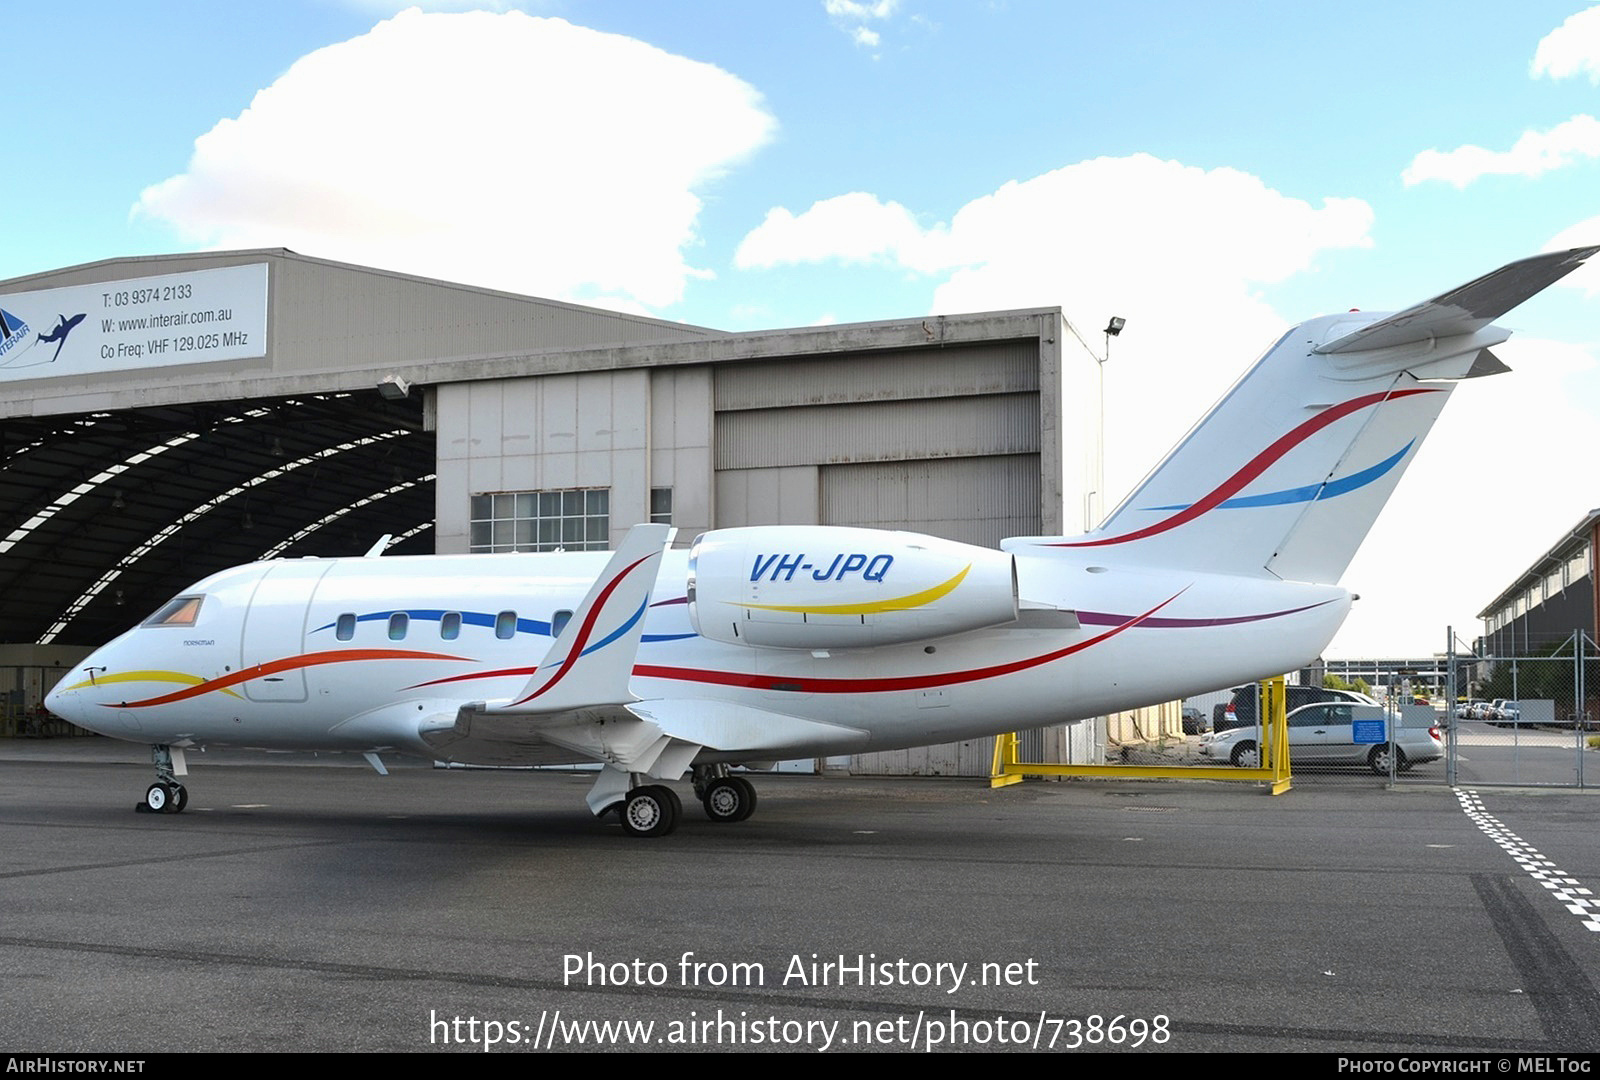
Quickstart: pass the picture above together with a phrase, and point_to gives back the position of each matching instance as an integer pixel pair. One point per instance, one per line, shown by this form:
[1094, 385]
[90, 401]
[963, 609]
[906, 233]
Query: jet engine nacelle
[832, 587]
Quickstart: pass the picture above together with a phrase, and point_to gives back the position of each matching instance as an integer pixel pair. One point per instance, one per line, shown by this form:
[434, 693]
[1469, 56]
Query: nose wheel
[162, 798]
[166, 795]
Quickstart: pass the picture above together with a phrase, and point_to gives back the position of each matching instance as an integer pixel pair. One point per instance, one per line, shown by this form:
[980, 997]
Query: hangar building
[1554, 596]
[166, 417]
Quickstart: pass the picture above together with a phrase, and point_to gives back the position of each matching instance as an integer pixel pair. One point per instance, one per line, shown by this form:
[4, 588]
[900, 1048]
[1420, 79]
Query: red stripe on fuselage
[885, 685]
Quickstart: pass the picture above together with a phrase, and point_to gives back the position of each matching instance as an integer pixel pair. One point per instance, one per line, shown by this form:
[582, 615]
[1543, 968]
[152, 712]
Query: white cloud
[394, 7]
[1179, 251]
[528, 154]
[852, 17]
[1534, 153]
[1571, 48]
[857, 227]
[854, 9]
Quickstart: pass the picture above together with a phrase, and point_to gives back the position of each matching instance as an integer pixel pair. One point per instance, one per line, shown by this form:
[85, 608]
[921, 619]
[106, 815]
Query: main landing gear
[655, 809]
[725, 797]
[652, 810]
[166, 795]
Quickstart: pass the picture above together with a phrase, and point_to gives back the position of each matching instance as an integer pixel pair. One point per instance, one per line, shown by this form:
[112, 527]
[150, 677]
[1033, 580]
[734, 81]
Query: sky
[1212, 173]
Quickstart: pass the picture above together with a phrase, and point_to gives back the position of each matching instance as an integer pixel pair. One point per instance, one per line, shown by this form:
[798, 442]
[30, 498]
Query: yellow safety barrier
[1273, 769]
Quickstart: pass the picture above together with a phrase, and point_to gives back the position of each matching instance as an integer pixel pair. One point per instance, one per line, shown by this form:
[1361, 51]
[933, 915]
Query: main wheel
[158, 798]
[729, 798]
[180, 798]
[651, 811]
[1245, 756]
[1379, 759]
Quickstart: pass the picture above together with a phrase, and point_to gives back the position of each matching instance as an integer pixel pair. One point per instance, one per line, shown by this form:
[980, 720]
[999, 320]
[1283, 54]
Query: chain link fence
[1526, 721]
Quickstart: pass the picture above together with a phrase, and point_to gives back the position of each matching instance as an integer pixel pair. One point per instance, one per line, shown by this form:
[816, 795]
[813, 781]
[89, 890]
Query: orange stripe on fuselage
[288, 663]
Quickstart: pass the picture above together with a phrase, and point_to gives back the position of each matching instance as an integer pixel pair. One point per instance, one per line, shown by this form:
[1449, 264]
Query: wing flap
[729, 727]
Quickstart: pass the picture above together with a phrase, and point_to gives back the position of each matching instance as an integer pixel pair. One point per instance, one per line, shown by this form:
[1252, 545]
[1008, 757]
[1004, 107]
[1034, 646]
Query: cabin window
[179, 611]
[505, 625]
[559, 621]
[578, 519]
[345, 628]
[450, 625]
[397, 626]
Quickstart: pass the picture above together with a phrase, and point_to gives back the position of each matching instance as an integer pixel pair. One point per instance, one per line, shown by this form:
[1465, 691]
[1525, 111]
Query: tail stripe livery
[1330, 490]
[1257, 465]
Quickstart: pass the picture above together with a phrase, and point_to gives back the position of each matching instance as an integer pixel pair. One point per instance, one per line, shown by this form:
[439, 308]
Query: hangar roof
[329, 326]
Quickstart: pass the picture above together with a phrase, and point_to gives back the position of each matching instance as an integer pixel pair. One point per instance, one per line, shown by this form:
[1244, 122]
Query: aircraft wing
[660, 737]
[726, 726]
[1465, 309]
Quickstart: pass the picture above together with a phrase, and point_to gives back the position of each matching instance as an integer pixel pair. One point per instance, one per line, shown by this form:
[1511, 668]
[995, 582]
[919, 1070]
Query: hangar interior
[459, 419]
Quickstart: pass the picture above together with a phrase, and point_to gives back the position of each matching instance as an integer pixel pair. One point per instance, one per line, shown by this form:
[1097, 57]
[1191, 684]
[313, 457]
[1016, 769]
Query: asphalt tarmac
[310, 904]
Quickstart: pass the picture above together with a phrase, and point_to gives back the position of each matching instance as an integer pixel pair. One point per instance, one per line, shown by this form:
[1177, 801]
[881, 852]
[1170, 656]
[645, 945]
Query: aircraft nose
[58, 700]
[66, 702]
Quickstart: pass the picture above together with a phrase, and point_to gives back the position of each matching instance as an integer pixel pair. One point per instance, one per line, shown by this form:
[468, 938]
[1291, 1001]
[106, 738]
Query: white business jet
[764, 643]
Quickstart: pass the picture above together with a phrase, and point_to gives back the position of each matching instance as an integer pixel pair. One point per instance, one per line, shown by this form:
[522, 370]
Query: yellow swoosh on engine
[875, 607]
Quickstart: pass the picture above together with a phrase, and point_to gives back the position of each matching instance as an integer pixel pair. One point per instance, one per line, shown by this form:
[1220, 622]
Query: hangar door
[978, 500]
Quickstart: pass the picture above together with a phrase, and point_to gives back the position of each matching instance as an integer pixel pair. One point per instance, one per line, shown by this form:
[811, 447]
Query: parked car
[1241, 711]
[1194, 721]
[1323, 733]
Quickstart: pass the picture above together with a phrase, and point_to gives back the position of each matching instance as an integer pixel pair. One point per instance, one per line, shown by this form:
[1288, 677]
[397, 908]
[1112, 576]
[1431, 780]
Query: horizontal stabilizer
[726, 726]
[1465, 309]
[1286, 474]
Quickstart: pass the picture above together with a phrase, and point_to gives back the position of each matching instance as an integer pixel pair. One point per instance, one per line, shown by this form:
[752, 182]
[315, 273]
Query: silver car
[1324, 734]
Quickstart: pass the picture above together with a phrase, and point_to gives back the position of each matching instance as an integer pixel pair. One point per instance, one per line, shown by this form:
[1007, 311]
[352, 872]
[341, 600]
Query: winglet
[591, 659]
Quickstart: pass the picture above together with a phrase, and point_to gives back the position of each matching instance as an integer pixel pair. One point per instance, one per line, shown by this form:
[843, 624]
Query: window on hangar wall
[574, 520]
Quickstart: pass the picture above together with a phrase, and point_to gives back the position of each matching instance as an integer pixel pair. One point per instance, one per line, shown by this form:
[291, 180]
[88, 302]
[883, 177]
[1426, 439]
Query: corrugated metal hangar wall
[960, 440]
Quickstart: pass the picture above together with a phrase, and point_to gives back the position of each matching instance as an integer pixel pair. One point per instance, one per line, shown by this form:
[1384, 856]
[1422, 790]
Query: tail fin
[591, 659]
[1287, 473]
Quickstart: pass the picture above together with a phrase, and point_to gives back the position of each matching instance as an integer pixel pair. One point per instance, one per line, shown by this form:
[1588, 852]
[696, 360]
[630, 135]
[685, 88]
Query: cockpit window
[179, 611]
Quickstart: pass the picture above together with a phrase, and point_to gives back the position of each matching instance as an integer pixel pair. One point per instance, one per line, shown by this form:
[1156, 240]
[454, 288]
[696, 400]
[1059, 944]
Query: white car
[1324, 734]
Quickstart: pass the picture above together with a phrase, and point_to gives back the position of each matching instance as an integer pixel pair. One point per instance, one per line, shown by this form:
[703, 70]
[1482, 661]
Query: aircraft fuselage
[333, 654]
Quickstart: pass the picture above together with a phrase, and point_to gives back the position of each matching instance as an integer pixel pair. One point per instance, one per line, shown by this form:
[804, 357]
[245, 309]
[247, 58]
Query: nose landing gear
[166, 795]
